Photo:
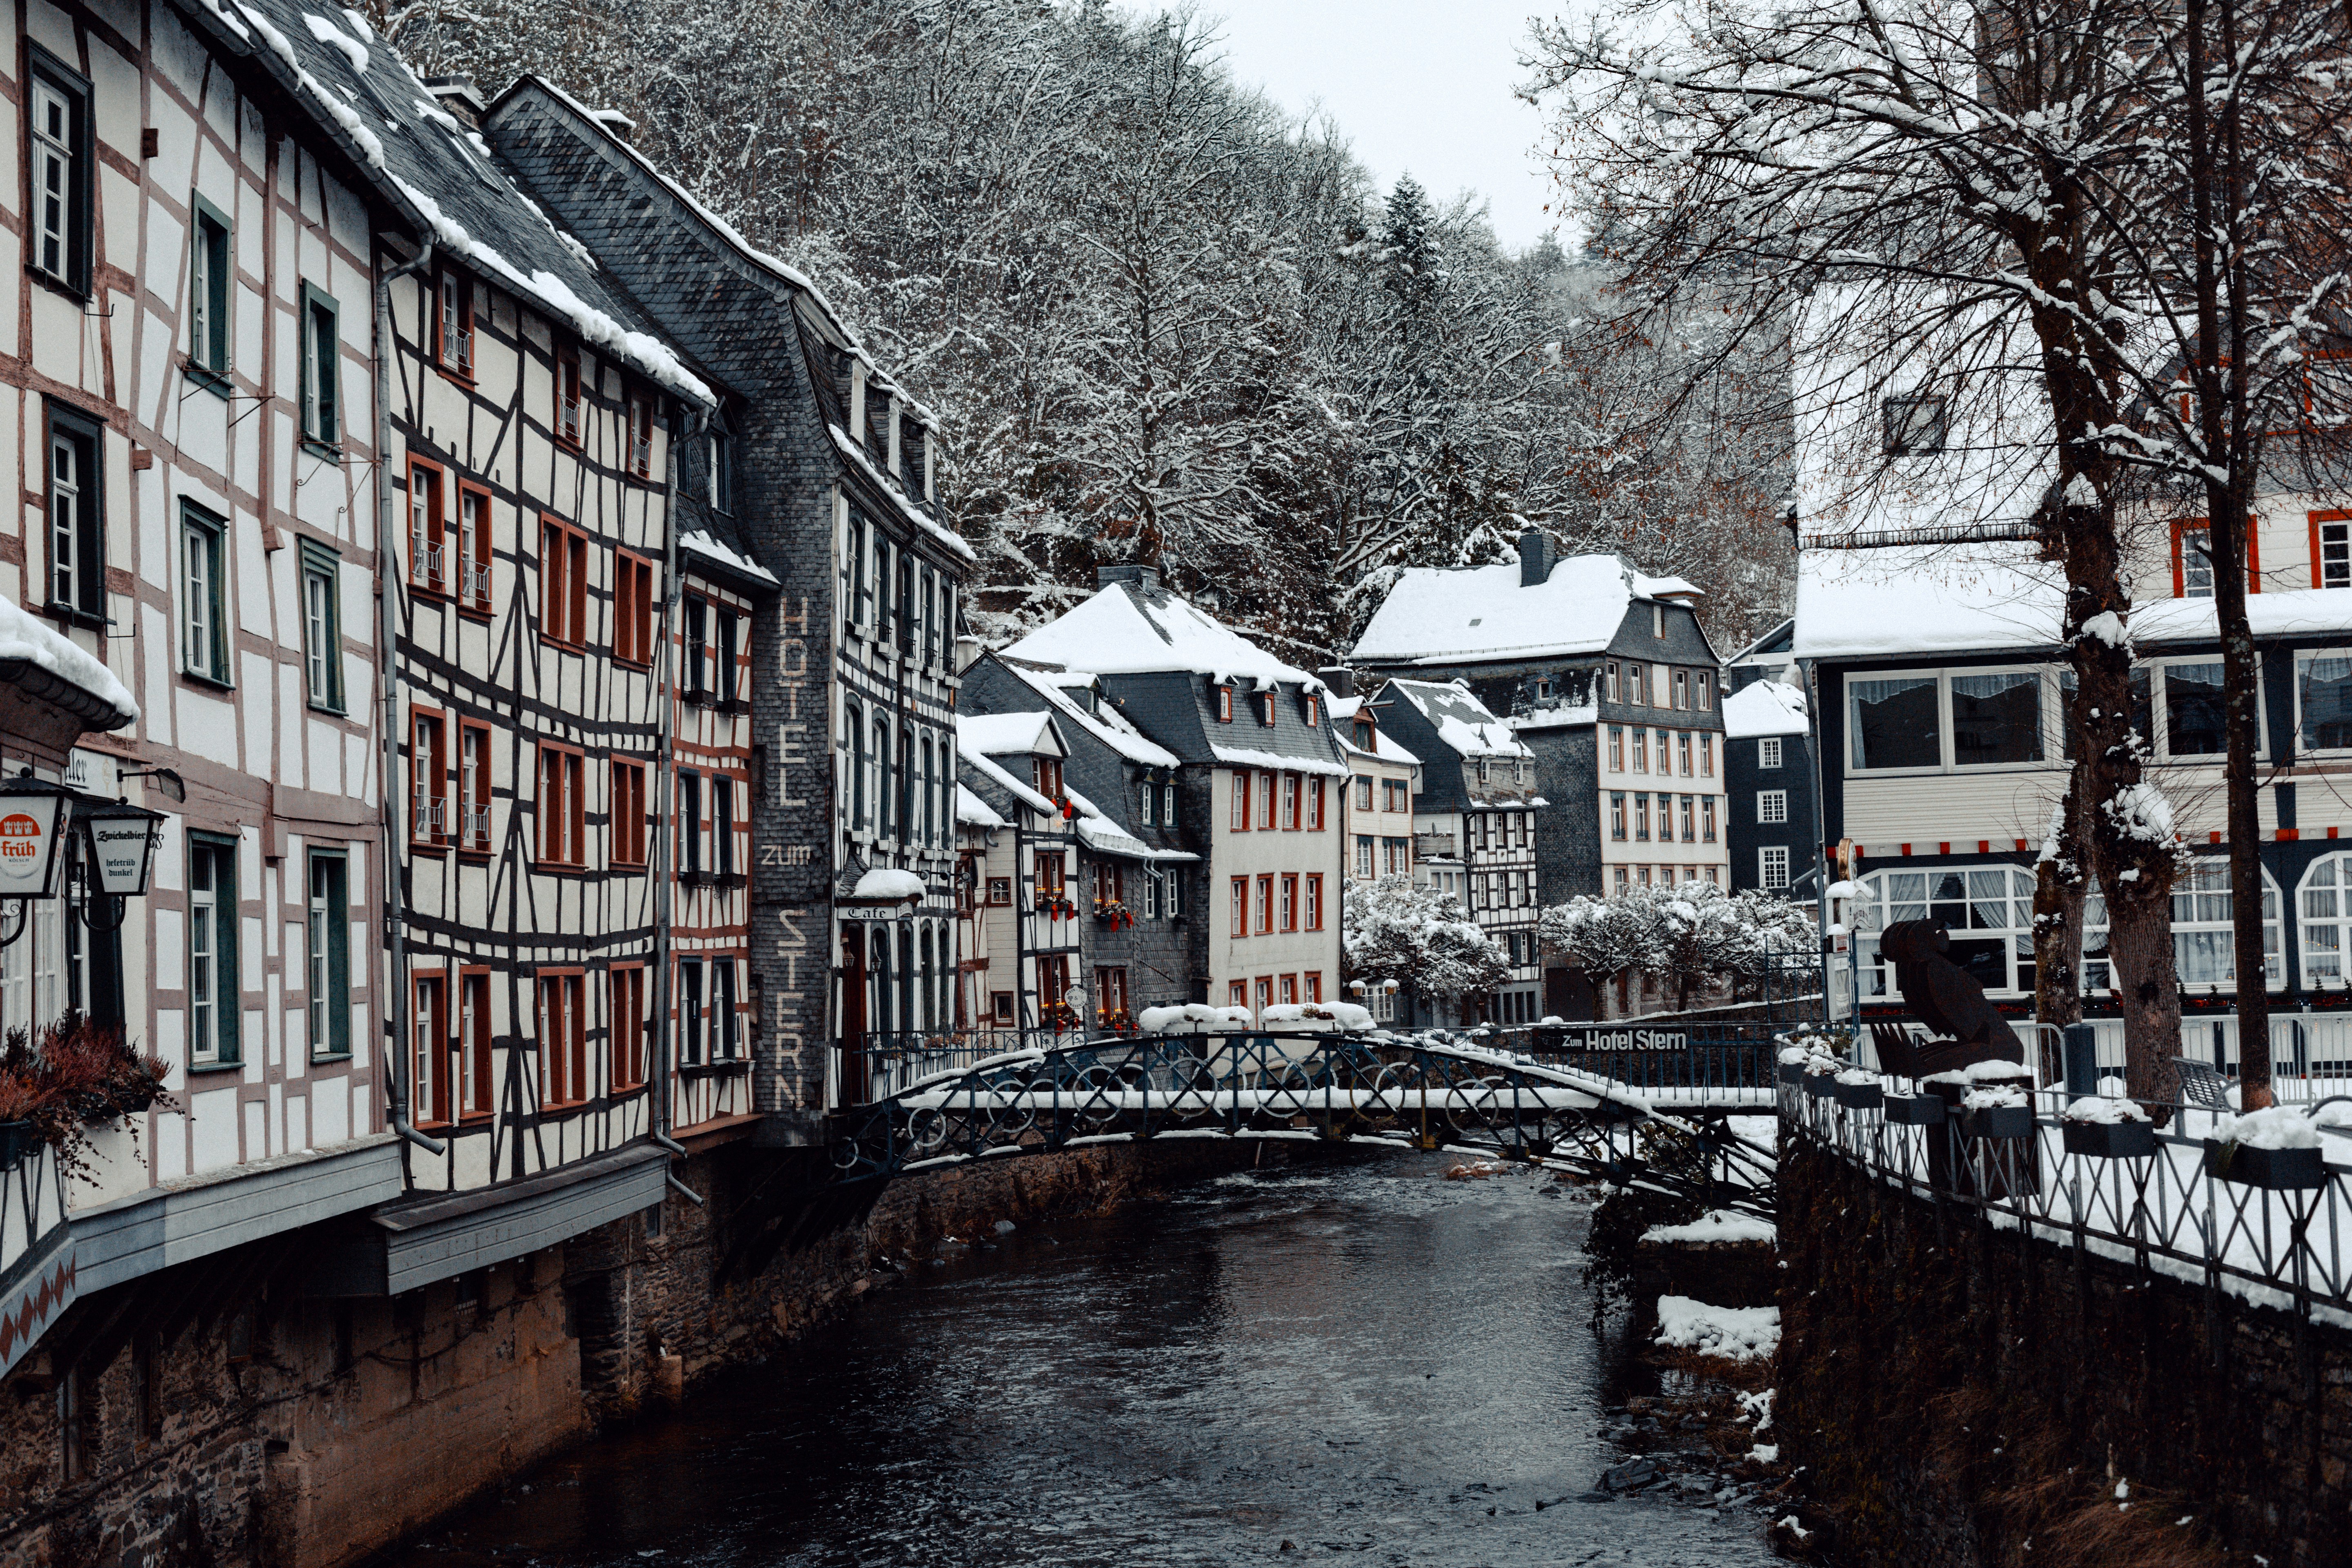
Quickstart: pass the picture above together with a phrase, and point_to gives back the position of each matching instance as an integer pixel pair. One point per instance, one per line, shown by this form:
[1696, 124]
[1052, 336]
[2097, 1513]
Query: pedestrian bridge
[1258, 1084]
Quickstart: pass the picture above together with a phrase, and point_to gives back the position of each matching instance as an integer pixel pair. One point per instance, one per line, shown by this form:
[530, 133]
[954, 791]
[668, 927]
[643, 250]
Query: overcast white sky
[1417, 85]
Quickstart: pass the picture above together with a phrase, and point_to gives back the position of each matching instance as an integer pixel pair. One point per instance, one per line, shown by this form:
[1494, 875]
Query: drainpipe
[395, 1073]
[664, 890]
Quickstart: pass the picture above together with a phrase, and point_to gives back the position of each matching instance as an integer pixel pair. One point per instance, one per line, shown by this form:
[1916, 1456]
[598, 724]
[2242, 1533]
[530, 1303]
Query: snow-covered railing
[2262, 1209]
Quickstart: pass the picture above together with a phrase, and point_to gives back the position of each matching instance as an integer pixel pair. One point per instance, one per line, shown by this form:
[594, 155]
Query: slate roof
[441, 176]
[1105, 761]
[1764, 708]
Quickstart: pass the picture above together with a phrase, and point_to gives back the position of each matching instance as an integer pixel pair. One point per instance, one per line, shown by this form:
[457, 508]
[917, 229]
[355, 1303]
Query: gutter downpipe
[665, 882]
[396, 1078]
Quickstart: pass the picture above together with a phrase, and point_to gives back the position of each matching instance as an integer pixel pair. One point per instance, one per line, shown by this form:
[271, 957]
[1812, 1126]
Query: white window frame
[2052, 721]
[2301, 653]
[2161, 711]
[1768, 751]
[1772, 805]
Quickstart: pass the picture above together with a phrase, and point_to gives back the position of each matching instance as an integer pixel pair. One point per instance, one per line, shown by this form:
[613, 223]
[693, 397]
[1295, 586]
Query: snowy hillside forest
[1162, 320]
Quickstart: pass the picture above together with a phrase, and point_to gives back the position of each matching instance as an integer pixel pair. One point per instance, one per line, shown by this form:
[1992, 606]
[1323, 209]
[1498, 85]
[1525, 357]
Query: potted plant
[1858, 1088]
[2107, 1129]
[2275, 1149]
[23, 1096]
[1793, 1063]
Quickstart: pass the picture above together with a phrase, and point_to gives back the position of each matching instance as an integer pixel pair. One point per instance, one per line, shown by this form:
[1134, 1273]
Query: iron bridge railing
[2166, 1210]
[1297, 1085]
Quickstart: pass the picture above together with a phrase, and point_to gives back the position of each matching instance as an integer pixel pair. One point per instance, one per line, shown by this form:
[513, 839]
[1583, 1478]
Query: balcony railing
[431, 814]
[1433, 846]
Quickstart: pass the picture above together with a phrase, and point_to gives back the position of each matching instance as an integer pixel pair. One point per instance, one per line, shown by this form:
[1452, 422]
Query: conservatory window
[1894, 722]
[1988, 909]
[2203, 941]
[2325, 908]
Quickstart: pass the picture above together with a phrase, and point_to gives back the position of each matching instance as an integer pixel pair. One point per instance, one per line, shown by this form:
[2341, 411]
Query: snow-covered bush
[1683, 936]
[1392, 930]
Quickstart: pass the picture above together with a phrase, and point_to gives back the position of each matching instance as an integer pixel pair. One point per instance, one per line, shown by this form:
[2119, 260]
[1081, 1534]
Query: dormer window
[1224, 704]
[1706, 689]
[453, 325]
[1311, 714]
[1658, 622]
[1682, 689]
[1363, 734]
[1543, 689]
[1482, 770]
[1266, 709]
[1048, 774]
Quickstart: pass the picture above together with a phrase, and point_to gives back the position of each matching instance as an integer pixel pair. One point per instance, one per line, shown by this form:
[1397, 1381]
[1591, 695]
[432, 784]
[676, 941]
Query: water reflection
[1367, 1361]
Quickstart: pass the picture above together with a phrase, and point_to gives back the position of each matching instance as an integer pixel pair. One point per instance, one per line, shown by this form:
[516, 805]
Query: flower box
[1792, 1072]
[17, 1140]
[1998, 1122]
[2274, 1169]
[1820, 1084]
[2109, 1140]
[1914, 1110]
[1861, 1096]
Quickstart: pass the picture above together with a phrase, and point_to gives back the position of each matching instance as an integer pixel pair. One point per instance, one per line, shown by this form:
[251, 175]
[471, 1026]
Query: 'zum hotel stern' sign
[1604, 1038]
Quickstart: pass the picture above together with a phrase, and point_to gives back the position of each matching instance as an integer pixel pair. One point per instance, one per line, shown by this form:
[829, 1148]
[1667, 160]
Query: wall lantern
[121, 838]
[35, 817]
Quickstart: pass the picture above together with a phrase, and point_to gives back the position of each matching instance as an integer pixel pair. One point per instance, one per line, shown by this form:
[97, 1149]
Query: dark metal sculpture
[1947, 999]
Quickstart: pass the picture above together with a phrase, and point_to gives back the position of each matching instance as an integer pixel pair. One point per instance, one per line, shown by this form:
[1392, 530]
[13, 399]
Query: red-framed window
[471, 826]
[633, 608]
[630, 809]
[1313, 982]
[2192, 564]
[1051, 878]
[1314, 901]
[561, 805]
[1287, 987]
[627, 982]
[1266, 709]
[452, 324]
[563, 1038]
[1291, 791]
[430, 1040]
[562, 583]
[2331, 549]
[1319, 790]
[1241, 907]
[1240, 821]
[1264, 923]
[1265, 994]
[474, 1041]
[1265, 802]
[1046, 774]
[1237, 994]
[571, 400]
[429, 776]
[1224, 704]
[1288, 911]
[470, 579]
[427, 564]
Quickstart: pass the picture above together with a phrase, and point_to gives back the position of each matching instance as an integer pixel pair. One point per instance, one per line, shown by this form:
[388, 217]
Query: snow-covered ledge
[48, 665]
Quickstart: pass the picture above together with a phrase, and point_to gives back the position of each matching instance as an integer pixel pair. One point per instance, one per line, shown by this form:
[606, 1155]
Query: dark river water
[1365, 1362]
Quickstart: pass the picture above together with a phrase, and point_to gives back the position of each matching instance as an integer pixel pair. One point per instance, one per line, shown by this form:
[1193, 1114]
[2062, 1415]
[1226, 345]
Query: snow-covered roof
[1002, 734]
[923, 521]
[887, 882]
[1384, 747]
[1097, 831]
[1104, 722]
[1437, 615]
[1463, 722]
[1251, 757]
[68, 674]
[429, 162]
[980, 763]
[698, 541]
[1764, 708]
[1127, 628]
[974, 812]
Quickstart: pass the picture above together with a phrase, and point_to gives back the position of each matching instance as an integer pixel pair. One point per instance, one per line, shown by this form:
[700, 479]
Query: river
[1365, 1362]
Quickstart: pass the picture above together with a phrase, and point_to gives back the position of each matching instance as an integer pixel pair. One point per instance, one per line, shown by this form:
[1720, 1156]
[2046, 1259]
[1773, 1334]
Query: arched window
[929, 1005]
[906, 976]
[1988, 909]
[2204, 943]
[882, 787]
[906, 786]
[2324, 902]
[929, 814]
[885, 1018]
[854, 724]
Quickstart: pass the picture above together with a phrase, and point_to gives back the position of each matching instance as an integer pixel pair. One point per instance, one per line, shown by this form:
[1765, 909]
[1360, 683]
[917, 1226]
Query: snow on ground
[1734, 1333]
[1720, 1225]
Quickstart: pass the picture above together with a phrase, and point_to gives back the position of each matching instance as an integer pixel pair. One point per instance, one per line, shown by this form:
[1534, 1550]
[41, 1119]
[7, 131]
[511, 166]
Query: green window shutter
[339, 955]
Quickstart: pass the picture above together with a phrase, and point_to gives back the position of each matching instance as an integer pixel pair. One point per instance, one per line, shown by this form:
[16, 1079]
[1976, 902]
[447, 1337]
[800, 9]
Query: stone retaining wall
[1956, 1392]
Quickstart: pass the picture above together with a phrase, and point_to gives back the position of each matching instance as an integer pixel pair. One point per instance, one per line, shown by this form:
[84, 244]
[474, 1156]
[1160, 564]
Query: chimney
[967, 652]
[1141, 576]
[1535, 559]
[458, 95]
[1340, 678]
